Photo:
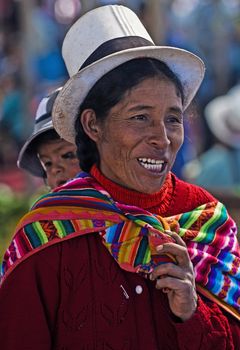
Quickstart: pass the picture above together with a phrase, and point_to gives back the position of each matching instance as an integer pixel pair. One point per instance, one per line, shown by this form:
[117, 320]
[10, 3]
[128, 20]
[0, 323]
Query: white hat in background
[103, 39]
[223, 117]
[28, 159]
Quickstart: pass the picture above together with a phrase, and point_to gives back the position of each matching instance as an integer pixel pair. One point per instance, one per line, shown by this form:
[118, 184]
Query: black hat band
[115, 45]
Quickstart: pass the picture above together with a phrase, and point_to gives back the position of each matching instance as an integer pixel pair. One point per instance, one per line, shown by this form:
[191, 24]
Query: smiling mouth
[154, 165]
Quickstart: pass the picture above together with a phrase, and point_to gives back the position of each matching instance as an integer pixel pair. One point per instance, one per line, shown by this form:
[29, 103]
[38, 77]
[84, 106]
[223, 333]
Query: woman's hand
[177, 280]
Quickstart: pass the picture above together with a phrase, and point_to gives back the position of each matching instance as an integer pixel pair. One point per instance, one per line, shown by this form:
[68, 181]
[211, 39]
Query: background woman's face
[59, 160]
[141, 136]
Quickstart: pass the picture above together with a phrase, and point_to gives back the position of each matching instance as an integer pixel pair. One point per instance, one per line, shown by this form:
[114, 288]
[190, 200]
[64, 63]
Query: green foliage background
[12, 207]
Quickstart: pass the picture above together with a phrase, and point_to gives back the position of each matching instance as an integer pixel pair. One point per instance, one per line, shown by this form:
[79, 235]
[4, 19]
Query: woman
[102, 256]
[45, 154]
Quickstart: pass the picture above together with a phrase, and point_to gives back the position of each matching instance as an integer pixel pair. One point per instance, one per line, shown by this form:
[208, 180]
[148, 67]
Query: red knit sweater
[175, 196]
[73, 295]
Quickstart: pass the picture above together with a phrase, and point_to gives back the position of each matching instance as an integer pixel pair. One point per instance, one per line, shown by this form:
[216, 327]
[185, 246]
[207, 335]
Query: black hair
[46, 136]
[108, 91]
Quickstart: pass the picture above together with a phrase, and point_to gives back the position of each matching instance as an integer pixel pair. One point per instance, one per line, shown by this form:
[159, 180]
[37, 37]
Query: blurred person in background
[47, 33]
[45, 154]
[11, 107]
[11, 119]
[126, 255]
[210, 32]
[210, 29]
[218, 168]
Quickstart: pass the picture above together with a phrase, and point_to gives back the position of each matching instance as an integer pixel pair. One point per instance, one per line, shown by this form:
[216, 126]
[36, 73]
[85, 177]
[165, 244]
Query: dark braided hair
[108, 91]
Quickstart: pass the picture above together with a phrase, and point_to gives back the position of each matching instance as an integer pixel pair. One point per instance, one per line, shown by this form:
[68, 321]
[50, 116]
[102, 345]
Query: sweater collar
[159, 200]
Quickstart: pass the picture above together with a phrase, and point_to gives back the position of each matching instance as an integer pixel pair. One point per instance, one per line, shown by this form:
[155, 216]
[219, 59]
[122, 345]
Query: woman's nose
[159, 136]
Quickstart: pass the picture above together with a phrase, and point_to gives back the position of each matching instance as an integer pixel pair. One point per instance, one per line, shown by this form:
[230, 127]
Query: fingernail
[159, 247]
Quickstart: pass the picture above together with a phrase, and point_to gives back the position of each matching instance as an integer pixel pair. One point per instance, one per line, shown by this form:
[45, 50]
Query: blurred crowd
[31, 33]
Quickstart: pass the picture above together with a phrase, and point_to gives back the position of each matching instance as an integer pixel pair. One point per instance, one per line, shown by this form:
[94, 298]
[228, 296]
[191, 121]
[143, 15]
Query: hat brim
[217, 113]
[28, 159]
[188, 67]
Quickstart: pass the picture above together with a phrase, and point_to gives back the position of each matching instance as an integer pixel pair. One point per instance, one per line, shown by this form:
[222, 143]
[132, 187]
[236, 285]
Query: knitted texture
[175, 196]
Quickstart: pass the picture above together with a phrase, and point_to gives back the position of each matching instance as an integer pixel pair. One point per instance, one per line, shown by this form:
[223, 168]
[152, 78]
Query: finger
[175, 284]
[168, 269]
[176, 237]
[179, 252]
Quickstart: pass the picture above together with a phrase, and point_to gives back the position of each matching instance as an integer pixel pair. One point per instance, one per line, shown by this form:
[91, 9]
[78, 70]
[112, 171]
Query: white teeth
[150, 161]
[151, 164]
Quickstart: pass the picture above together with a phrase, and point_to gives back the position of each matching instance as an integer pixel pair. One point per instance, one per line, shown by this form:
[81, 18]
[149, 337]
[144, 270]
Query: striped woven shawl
[131, 235]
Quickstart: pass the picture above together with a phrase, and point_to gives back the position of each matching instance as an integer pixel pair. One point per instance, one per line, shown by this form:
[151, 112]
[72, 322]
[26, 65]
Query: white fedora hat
[28, 159]
[223, 117]
[103, 39]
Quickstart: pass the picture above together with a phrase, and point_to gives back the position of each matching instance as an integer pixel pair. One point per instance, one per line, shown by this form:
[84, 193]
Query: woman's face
[141, 136]
[58, 159]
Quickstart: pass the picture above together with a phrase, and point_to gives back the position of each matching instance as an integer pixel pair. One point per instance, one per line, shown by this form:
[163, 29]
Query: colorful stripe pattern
[131, 235]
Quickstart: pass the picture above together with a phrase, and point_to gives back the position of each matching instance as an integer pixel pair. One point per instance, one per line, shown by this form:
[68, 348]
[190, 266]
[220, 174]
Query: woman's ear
[89, 124]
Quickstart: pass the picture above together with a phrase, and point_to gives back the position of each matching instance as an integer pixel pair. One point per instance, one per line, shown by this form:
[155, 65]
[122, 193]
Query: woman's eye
[139, 117]
[69, 155]
[175, 119]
